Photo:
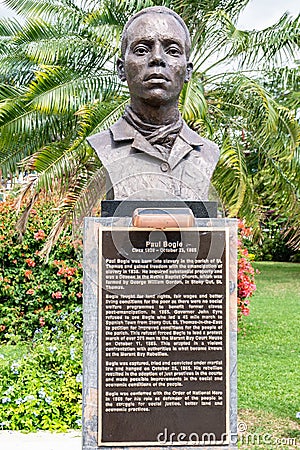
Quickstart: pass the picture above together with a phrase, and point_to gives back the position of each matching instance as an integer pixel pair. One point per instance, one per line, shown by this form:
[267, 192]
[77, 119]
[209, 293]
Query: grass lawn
[269, 360]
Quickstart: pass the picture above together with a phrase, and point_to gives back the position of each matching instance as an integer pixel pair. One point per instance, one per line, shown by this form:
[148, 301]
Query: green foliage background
[33, 291]
[41, 361]
[41, 386]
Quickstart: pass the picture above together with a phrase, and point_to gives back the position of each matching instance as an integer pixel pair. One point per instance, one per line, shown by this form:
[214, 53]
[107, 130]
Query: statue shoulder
[210, 148]
[112, 144]
[100, 140]
[103, 144]
[206, 153]
[207, 147]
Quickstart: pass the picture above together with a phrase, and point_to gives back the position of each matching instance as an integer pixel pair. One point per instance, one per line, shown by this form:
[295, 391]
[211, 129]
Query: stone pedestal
[160, 332]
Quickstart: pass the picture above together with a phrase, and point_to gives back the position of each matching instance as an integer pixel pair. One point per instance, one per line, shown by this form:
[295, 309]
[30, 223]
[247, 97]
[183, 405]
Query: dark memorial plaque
[164, 340]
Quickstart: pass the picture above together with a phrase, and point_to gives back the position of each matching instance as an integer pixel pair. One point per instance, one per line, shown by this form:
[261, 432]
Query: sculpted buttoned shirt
[137, 170]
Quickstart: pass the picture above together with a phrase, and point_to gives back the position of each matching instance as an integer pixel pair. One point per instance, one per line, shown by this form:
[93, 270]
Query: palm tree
[257, 131]
[58, 85]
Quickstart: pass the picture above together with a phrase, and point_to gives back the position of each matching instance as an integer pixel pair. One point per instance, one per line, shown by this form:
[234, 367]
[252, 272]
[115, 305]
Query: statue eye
[140, 50]
[173, 51]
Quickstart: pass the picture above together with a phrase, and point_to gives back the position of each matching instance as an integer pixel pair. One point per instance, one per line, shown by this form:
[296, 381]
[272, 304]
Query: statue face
[155, 62]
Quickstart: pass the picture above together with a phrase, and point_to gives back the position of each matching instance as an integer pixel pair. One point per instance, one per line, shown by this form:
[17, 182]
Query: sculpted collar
[185, 142]
[122, 131]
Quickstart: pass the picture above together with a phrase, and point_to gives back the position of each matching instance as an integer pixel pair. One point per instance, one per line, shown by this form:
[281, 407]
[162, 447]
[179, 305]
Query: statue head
[155, 51]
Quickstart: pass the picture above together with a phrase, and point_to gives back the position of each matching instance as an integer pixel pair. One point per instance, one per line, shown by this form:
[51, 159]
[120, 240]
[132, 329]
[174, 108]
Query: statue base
[165, 377]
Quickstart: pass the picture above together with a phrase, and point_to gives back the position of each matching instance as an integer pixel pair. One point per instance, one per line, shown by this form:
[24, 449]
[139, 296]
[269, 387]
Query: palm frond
[265, 118]
[8, 93]
[46, 9]
[99, 116]
[59, 90]
[9, 27]
[78, 203]
[36, 30]
[284, 82]
[115, 12]
[87, 194]
[33, 130]
[54, 167]
[230, 177]
[23, 219]
[273, 46]
[73, 51]
[192, 102]
[16, 69]
[192, 10]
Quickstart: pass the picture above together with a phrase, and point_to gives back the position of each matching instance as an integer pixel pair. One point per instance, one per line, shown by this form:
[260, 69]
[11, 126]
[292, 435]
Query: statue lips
[156, 77]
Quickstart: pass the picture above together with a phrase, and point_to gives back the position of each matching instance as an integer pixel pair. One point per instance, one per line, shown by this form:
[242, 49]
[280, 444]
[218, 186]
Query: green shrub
[33, 292]
[40, 324]
[274, 241]
[42, 388]
[245, 275]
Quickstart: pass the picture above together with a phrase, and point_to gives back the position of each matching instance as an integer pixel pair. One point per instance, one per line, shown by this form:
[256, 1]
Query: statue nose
[157, 57]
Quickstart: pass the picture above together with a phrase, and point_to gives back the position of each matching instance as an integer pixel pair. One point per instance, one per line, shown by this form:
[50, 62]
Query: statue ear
[121, 69]
[188, 73]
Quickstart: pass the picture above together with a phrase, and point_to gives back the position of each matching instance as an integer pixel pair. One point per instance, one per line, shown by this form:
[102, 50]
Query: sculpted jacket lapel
[140, 143]
[184, 144]
[179, 151]
[122, 131]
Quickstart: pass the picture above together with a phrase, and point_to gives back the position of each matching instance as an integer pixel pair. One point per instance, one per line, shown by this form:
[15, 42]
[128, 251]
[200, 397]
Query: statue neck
[155, 114]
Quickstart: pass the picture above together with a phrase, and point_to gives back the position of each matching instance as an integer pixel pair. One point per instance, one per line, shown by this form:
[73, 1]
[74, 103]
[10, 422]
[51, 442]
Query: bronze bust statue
[151, 153]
